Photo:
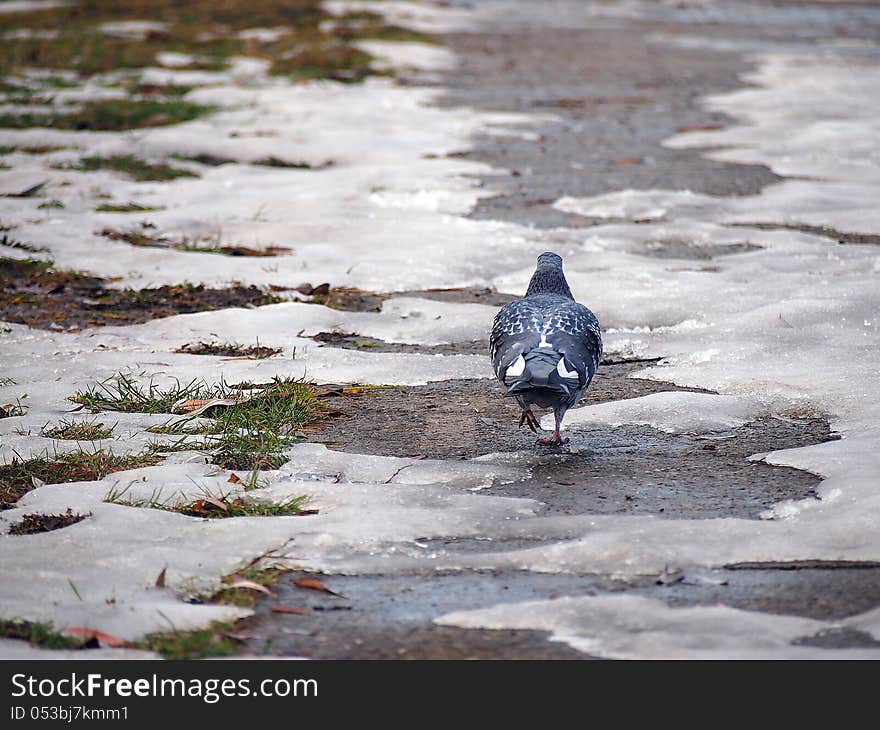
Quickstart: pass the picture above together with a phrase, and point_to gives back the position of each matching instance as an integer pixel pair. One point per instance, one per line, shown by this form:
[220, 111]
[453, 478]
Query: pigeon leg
[556, 438]
[534, 424]
[529, 419]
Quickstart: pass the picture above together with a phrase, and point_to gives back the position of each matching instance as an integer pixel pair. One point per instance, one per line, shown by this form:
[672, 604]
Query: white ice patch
[633, 627]
[671, 412]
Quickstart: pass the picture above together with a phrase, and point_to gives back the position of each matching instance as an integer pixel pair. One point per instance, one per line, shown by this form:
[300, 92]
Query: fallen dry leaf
[628, 161]
[291, 609]
[86, 634]
[197, 406]
[160, 581]
[315, 585]
[234, 478]
[697, 127]
[251, 586]
[219, 503]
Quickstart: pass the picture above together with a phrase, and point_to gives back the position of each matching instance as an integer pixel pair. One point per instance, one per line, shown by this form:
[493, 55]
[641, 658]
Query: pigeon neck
[549, 280]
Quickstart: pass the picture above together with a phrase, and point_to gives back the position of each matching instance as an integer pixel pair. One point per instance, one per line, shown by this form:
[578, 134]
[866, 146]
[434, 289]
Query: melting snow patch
[630, 627]
[672, 412]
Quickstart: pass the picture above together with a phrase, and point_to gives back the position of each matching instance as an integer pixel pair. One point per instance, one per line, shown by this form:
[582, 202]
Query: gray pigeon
[545, 348]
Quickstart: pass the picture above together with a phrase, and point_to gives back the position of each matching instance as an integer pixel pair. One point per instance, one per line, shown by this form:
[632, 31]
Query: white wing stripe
[564, 372]
[516, 368]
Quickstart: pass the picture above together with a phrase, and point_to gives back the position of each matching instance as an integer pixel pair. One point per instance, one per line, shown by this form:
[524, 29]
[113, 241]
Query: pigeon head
[548, 277]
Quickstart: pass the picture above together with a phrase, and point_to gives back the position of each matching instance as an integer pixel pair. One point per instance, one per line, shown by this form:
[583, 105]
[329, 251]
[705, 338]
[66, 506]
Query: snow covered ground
[789, 328]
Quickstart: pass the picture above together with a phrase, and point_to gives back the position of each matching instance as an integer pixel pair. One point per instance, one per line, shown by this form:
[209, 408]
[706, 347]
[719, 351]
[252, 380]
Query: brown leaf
[234, 478]
[251, 586]
[218, 503]
[160, 581]
[698, 127]
[87, 634]
[628, 161]
[197, 406]
[315, 585]
[321, 289]
[291, 609]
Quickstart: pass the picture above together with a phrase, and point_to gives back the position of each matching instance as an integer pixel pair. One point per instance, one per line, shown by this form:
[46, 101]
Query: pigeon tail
[540, 373]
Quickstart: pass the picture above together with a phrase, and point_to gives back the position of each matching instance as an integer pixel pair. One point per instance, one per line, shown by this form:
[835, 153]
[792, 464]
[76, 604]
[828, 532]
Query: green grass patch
[110, 115]
[213, 506]
[207, 30]
[122, 393]
[198, 644]
[249, 430]
[38, 634]
[132, 166]
[125, 208]
[337, 62]
[19, 477]
[79, 431]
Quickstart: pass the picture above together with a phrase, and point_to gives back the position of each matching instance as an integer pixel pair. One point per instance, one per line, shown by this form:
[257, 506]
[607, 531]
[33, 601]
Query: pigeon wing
[574, 332]
[516, 329]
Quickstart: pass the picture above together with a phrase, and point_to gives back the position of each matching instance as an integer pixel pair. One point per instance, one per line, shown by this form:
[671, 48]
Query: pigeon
[545, 347]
